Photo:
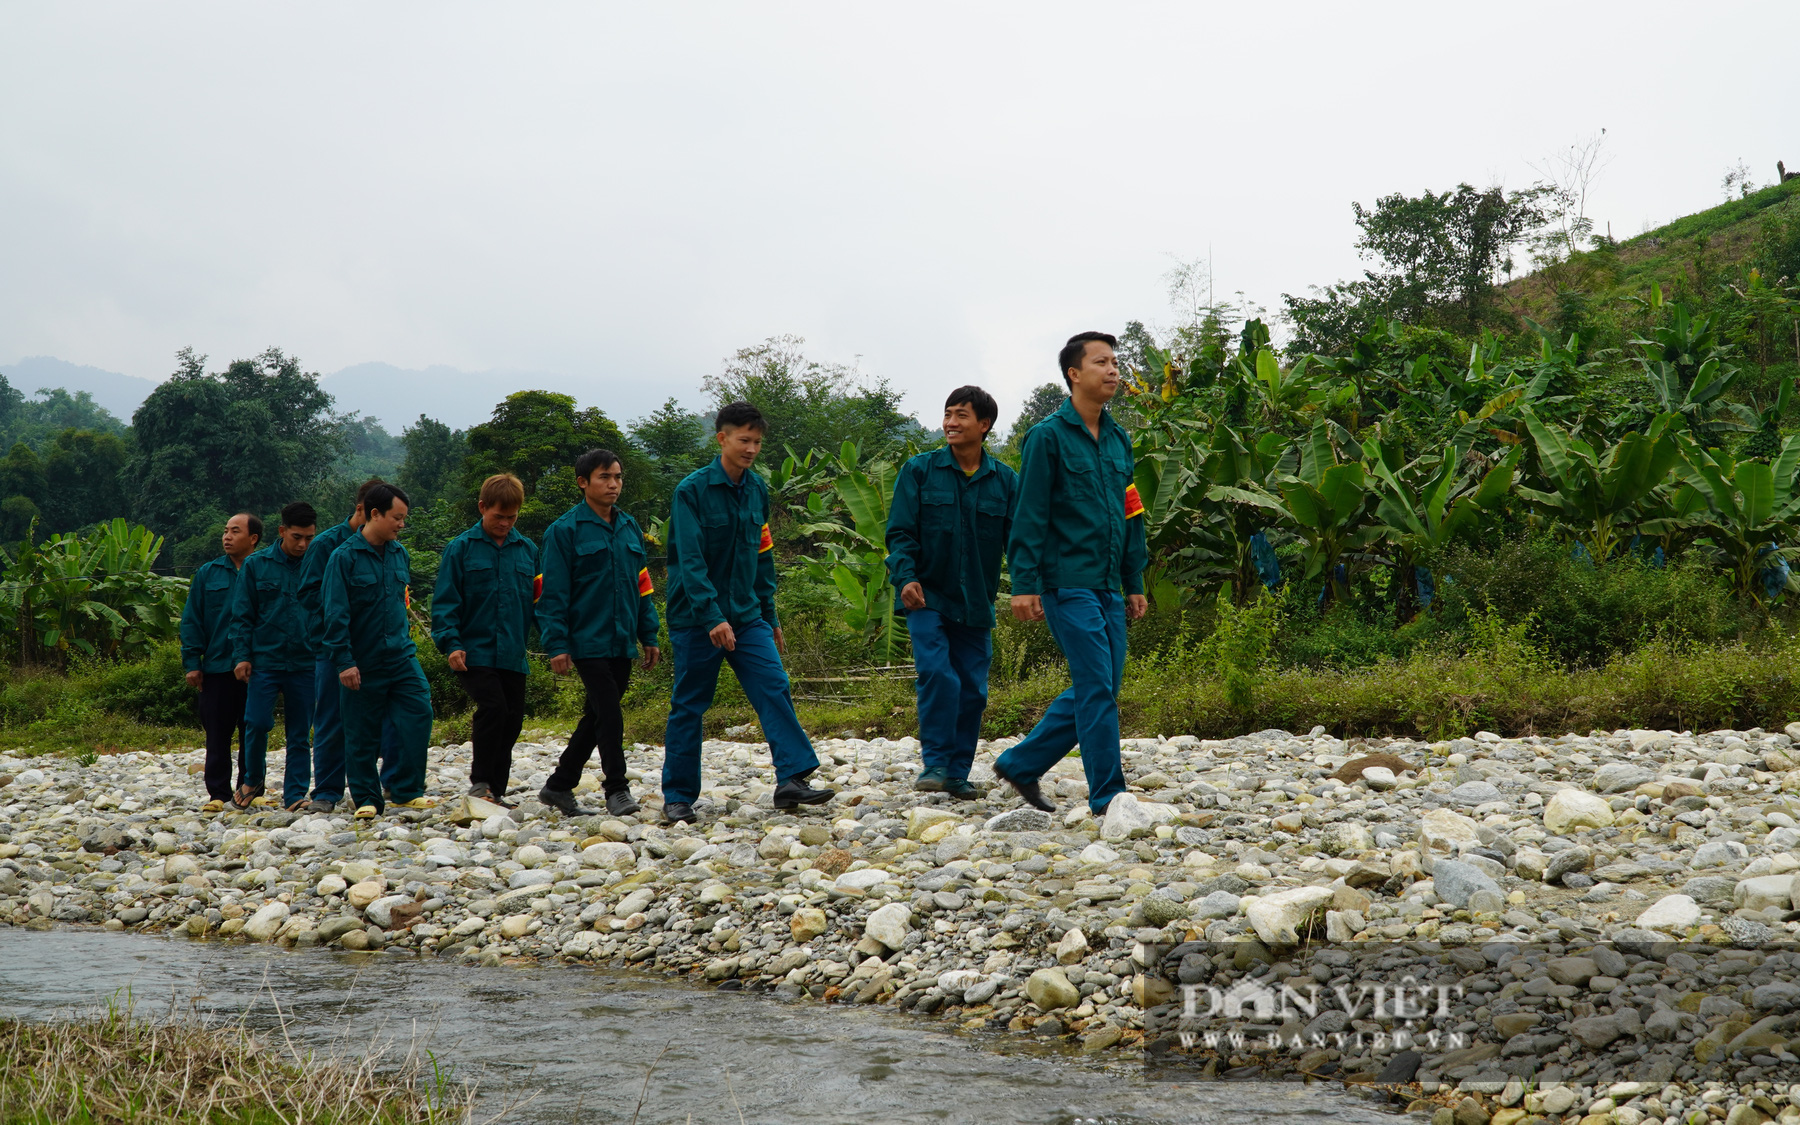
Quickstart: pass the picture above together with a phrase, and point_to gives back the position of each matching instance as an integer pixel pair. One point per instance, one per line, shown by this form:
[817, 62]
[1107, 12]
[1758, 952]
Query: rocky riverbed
[1597, 928]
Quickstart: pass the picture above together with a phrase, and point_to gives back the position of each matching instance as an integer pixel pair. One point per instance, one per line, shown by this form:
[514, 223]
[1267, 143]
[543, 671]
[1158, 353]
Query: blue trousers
[393, 698]
[952, 662]
[296, 691]
[328, 737]
[757, 664]
[1089, 627]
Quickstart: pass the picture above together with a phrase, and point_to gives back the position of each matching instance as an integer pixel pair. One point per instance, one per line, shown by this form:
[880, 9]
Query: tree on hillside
[677, 441]
[812, 405]
[1043, 401]
[536, 435]
[24, 488]
[1440, 256]
[251, 437]
[434, 459]
[83, 473]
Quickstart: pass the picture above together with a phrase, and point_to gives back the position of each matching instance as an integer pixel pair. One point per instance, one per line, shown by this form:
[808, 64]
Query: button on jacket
[596, 601]
[206, 618]
[721, 559]
[268, 627]
[364, 605]
[947, 531]
[482, 602]
[1077, 523]
[312, 572]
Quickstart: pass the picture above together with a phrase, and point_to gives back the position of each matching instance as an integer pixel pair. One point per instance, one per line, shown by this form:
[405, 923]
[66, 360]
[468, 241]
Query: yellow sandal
[213, 806]
[417, 803]
[366, 812]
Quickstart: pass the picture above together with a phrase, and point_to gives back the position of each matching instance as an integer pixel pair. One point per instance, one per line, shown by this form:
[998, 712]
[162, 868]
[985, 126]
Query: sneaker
[621, 803]
[931, 780]
[1028, 790]
[794, 792]
[677, 812]
[962, 789]
[563, 801]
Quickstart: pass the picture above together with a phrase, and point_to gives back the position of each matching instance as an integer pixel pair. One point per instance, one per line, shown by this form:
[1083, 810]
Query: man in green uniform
[271, 648]
[595, 611]
[206, 654]
[369, 641]
[947, 528]
[480, 613]
[1077, 542]
[722, 608]
[328, 724]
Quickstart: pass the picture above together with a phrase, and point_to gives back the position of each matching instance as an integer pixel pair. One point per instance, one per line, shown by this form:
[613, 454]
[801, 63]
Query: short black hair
[594, 459]
[1076, 349]
[740, 414]
[982, 403]
[362, 490]
[381, 497]
[252, 523]
[299, 514]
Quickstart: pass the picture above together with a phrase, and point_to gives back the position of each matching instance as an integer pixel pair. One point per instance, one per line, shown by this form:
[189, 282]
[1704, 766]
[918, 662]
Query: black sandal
[245, 797]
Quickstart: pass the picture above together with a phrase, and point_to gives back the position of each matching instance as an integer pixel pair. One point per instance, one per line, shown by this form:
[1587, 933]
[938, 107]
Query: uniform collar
[359, 541]
[584, 514]
[277, 554]
[717, 475]
[1069, 414]
[475, 533]
[946, 458]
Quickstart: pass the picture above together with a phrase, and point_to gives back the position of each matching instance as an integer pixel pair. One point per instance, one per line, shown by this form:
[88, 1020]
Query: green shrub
[152, 690]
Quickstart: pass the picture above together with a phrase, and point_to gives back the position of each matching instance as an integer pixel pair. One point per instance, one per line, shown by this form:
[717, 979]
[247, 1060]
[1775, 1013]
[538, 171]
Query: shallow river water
[562, 1044]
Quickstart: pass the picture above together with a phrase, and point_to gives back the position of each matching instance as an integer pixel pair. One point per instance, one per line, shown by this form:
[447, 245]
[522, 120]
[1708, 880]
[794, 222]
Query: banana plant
[1424, 504]
[1750, 507]
[1690, 370]
[1597, 495]
[94, 594]
[1326, 504]
[856, 552]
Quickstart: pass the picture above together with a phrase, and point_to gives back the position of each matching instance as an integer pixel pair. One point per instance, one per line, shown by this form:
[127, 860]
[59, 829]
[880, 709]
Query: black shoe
[932, 780]
[621, 803]
[1028, 790]
[563, 801]
[675, 812]
[794, 792]
[322, 805]
[962, 789]
[483, 791]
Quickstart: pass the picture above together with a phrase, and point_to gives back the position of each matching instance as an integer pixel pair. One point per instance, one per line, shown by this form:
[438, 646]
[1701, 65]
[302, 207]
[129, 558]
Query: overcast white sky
[625, 194]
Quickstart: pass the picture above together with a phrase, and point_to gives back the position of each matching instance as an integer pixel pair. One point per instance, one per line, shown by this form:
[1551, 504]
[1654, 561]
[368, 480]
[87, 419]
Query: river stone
[1471, 793]
[637, 900]
[1050, 989]
[1595, 1032]
[333, 928]
[1353, 769]
[808, 923]
[1379, 778]
[612, 856]
[1619, 777]
[1124, 815]
[890, 924]
[381, 911]
[331, 885]
[1455, 881]
[1072, 948]
[1711, 890]
[531, 878]
[515, 926]
[1671, 913]
[1441, 830]
[1763, 892]
[1571, 970]
[862, 880]
[1567, 862]
[1571, 810]
[958, 981]
[921, 817]
[264, 924]
[1023, 819]
[360, 895]
[1278, 918]
[1160, 910]
[1718, 853]
[359, 871]
[1098, 853]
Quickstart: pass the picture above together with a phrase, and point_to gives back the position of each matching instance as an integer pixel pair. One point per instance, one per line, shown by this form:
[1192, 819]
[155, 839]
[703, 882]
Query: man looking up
[947, 528]
[206, 654]
[328, 725]
[369, 641]
[1077, 539]
[480, 613]
[722, 607]
[271, 648]
[596, 609]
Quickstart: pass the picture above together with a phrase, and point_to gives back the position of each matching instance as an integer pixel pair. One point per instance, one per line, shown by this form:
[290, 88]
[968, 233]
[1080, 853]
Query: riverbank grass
[117, 1067]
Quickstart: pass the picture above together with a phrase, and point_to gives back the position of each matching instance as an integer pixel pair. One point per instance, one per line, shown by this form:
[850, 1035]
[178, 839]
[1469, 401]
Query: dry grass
[185, 1070]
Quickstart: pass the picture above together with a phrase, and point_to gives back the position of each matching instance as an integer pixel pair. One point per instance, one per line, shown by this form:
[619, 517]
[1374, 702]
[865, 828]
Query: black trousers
[602, 725]
[499, 695]
[221, 716]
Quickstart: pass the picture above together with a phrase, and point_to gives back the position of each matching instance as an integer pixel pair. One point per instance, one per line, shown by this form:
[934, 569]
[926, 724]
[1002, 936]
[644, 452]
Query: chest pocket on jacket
[937, 509]
[592, 558]
[990, 517]
[478, 575]
[218, 584]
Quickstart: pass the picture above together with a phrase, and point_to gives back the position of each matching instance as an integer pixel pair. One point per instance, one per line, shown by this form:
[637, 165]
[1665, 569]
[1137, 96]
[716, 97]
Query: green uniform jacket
[721, 559]
[482, 603]
[364, 599]
[596, 599]
[205, 619]
[947, 531]
[268, 626]
[1077, 523]
[312, 573]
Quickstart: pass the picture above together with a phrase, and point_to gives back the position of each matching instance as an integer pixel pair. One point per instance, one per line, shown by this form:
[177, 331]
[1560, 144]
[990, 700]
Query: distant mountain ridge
[395, 396]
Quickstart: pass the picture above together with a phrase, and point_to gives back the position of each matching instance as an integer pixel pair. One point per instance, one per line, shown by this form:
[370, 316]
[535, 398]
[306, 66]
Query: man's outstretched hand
[722, 636]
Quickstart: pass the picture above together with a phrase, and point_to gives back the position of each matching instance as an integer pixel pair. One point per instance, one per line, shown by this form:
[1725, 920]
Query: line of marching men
[320, 618]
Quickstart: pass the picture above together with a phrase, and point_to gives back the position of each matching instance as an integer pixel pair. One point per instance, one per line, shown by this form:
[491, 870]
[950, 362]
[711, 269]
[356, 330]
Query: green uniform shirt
[721, 559]
[268, 626]
[947, 530]
[312, 573]
[364, 607]
[596, 599]
[206, 618]
[482, 603]
[1077, 523]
